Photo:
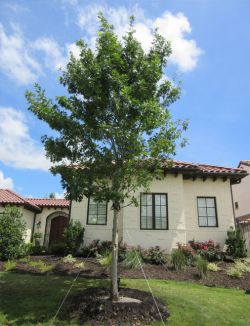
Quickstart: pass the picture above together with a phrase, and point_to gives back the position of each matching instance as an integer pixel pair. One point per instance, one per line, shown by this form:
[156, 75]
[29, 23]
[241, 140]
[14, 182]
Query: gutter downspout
[233, 204]
[33, 227]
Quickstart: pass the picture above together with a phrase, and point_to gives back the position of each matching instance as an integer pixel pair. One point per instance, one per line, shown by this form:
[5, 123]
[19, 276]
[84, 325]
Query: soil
[95, 307]
[92, 269]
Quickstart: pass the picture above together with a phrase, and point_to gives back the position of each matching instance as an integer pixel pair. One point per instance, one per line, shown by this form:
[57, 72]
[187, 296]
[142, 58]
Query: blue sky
[211, 51]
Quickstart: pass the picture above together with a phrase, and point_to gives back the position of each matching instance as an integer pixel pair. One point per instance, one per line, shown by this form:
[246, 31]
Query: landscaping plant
[154, 255]
[178, 259]
[9, 265]
[12, 233]
[69, 259]
[236, 244]
[133, 259]
[113, 125]
[73, 237]
[212, 267]
[202, 266]
[58, 248]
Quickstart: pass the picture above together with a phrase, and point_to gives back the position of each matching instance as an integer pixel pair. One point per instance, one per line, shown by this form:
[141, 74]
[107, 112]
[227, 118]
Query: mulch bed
[95, 307]
[92, 269]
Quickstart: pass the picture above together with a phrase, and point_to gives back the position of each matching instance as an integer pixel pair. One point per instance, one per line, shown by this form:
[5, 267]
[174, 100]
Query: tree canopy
[114, 126]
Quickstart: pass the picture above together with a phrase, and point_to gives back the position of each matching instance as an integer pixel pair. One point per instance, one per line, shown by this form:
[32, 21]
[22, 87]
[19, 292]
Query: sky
[210, 56]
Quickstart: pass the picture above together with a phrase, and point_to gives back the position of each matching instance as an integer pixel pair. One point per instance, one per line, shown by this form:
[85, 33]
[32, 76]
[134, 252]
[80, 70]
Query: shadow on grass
[28, 300]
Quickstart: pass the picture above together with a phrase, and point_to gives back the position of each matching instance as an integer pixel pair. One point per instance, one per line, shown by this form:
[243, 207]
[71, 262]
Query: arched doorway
[55, 226]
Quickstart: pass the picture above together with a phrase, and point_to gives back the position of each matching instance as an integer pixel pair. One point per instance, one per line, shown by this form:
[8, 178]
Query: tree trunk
[114, 276]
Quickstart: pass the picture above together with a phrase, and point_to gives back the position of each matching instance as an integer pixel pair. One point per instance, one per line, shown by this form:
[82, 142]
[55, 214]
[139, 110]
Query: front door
[58, 225]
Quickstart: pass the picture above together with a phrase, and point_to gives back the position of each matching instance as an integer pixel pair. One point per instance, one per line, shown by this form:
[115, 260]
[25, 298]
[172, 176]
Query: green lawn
[33, 300]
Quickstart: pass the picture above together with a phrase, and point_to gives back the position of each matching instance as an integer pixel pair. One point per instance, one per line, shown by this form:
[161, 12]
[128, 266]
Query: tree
[52, 195]
[114, 127]
[12, 232]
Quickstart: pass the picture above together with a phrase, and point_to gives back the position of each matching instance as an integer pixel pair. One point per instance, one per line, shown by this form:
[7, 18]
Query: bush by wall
[73, 237]
[12, 232]
[236, 244]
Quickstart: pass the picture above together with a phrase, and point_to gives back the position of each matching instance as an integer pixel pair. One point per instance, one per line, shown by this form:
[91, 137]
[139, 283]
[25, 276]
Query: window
[207, 211]
[97, 212]
[154, 212]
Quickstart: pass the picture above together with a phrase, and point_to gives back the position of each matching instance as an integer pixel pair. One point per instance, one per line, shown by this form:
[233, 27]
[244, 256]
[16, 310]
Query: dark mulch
[92, 269]
[94, 307]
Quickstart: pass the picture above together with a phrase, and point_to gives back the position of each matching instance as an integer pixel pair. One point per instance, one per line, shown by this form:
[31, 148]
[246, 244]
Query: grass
[27, 300]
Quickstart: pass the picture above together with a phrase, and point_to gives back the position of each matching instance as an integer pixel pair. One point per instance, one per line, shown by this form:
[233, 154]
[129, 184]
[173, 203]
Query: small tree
[236, 244]
[115, 127]
[12, 232]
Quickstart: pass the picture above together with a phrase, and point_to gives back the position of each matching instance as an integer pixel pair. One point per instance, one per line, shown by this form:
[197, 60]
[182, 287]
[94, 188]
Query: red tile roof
[207, 168]
[49, 202]
[244, 219]
[10, 197]
[244, 162]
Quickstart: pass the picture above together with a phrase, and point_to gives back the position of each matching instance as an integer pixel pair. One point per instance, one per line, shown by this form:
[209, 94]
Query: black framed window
[207, 212]
[154, 212]
[97, 212]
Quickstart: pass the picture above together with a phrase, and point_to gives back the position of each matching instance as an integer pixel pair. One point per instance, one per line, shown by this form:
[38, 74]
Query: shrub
[73, 236]
[105, 259]
[236, 244]
[12, 231]
[69, 259]
[25, 259]
[58, 248]
[234, 272]
[188, 251]
[80, 265]
[133, 259]
[9, 265]
[202, 266]
[209, 250]
[178, 259]
[242, 266]
[154, 255]
[40, 265]
[213, 267]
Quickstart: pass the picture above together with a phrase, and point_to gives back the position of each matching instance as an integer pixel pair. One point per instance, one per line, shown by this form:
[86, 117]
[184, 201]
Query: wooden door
[58, 225]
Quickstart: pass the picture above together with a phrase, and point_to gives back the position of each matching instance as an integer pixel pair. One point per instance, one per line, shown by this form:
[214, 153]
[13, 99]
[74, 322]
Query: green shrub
[58, 248]
[9, 265]
[40, 265]
[69, 259]
[73, 236]
[202, 266]
[234, 272]
[178, 259]
[12, 232]
[105, 259]
[154, 255]
[80, 265]
[213, 267]
[236, 244]
[132, 259]
[25, 259]
[242, 266]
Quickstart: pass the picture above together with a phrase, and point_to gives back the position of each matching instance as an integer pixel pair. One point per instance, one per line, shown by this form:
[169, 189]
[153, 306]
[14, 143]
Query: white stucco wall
[182, 215]
[28, 217]
[241, 194]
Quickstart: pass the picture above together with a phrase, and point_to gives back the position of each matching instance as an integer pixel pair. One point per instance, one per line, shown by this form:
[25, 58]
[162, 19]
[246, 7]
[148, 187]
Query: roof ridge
[23, 199]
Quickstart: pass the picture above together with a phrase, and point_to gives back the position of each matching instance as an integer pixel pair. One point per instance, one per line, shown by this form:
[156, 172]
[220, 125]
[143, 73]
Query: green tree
[114, 127]
[12, 232]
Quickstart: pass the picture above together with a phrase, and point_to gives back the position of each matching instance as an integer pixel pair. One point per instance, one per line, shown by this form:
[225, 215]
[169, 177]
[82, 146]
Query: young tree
[114, 127]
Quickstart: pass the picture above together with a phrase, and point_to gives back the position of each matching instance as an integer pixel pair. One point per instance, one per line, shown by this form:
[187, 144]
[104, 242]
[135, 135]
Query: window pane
[212, 221]
[149, 210]
[92, 219]
[203, 221]
[101, 219]
[157, 211]
[201, 202]
[163, 199]
[157, 199]
[143, 199]
[149, 199]
[210, 202]
[210, 211]
[97, 212]
[202, 211]
[163, 211]
[92, 209]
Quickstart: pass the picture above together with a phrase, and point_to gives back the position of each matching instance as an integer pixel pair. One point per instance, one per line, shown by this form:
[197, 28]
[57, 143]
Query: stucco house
[193, 201]
[48, 216]
[241, 195]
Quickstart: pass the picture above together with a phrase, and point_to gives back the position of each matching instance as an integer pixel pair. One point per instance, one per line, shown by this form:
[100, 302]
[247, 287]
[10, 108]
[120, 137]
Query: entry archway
[55, 226]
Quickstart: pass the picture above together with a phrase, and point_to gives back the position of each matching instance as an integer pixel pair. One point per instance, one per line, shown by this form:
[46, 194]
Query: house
[48, 216]
[193, 201]
[241, 195]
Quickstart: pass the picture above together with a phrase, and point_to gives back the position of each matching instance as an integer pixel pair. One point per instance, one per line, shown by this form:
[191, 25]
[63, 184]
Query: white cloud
[174, 28]
[15, 59]
[74, 49]
[17, 148]
[5, 183]
[60, 195]
[53, 54]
